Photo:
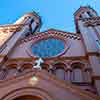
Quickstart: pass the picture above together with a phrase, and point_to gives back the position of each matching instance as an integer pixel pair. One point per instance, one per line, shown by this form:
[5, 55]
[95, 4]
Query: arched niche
[77, 72]
[59, 70]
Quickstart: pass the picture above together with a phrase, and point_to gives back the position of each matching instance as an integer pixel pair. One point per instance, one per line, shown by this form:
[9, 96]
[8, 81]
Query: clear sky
[56, 14]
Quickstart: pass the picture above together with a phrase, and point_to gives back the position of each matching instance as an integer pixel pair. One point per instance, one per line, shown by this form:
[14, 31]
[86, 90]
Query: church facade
[50, 65]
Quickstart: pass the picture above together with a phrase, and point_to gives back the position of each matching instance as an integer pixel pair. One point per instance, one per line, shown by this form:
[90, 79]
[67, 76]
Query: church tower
[88, 26]
[27, 25]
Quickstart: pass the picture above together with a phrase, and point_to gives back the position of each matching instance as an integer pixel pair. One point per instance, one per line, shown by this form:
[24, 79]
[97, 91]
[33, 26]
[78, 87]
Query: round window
[48, 48]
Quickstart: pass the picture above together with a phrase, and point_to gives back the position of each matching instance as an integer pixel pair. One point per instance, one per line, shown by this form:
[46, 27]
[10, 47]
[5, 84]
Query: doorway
[27, 97]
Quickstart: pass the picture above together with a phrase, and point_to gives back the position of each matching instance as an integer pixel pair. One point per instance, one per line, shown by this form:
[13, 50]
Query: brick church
[53, 64]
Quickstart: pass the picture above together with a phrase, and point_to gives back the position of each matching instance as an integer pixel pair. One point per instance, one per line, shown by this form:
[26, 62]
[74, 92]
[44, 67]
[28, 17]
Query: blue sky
[56, 14]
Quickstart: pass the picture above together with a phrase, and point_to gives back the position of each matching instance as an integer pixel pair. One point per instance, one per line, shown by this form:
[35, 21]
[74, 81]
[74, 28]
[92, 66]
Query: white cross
[38, 63]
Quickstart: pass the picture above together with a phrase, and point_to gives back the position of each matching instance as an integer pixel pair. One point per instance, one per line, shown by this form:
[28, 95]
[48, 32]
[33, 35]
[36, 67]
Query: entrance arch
[28, 93]
[28, 97]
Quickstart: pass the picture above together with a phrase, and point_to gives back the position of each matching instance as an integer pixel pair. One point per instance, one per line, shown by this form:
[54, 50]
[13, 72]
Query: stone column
[68, 75]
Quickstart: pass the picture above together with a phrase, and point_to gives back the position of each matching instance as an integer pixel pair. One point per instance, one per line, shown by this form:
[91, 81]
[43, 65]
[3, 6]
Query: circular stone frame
[45, 37]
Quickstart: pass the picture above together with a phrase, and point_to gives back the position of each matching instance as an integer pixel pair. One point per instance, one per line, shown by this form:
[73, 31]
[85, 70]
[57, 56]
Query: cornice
[11, 27]
[47, 59]
[51, 33]
[93, 54]
[93, 21]
[21, 59]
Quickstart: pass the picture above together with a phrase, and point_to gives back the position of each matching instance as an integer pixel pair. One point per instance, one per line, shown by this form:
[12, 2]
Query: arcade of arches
[77, 73]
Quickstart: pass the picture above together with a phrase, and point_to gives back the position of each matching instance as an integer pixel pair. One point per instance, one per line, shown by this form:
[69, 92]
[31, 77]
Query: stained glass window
[48, 48]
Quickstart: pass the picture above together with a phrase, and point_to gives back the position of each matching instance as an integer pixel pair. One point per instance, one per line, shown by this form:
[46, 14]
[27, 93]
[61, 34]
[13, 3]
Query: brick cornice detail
[51, 33]
[93, 21]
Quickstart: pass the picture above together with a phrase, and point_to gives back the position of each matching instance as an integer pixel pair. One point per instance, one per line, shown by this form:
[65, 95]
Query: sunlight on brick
[33, 80]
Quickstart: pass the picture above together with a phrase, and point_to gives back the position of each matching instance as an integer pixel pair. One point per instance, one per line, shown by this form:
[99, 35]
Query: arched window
[59, 70]
[60, 73]
[90, 14]
[77, 73]
[80, 16]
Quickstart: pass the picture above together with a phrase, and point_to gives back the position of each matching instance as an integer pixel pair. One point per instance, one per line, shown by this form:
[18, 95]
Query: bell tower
[32, 19]
[28, 24]
[88, 25]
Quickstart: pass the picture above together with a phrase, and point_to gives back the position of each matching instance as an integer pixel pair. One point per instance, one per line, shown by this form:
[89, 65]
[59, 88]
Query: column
[68, 75]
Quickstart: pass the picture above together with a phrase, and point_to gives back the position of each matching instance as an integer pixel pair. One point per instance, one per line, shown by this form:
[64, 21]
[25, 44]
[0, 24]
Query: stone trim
[94, 21]
[60, 34]
[44, 95]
